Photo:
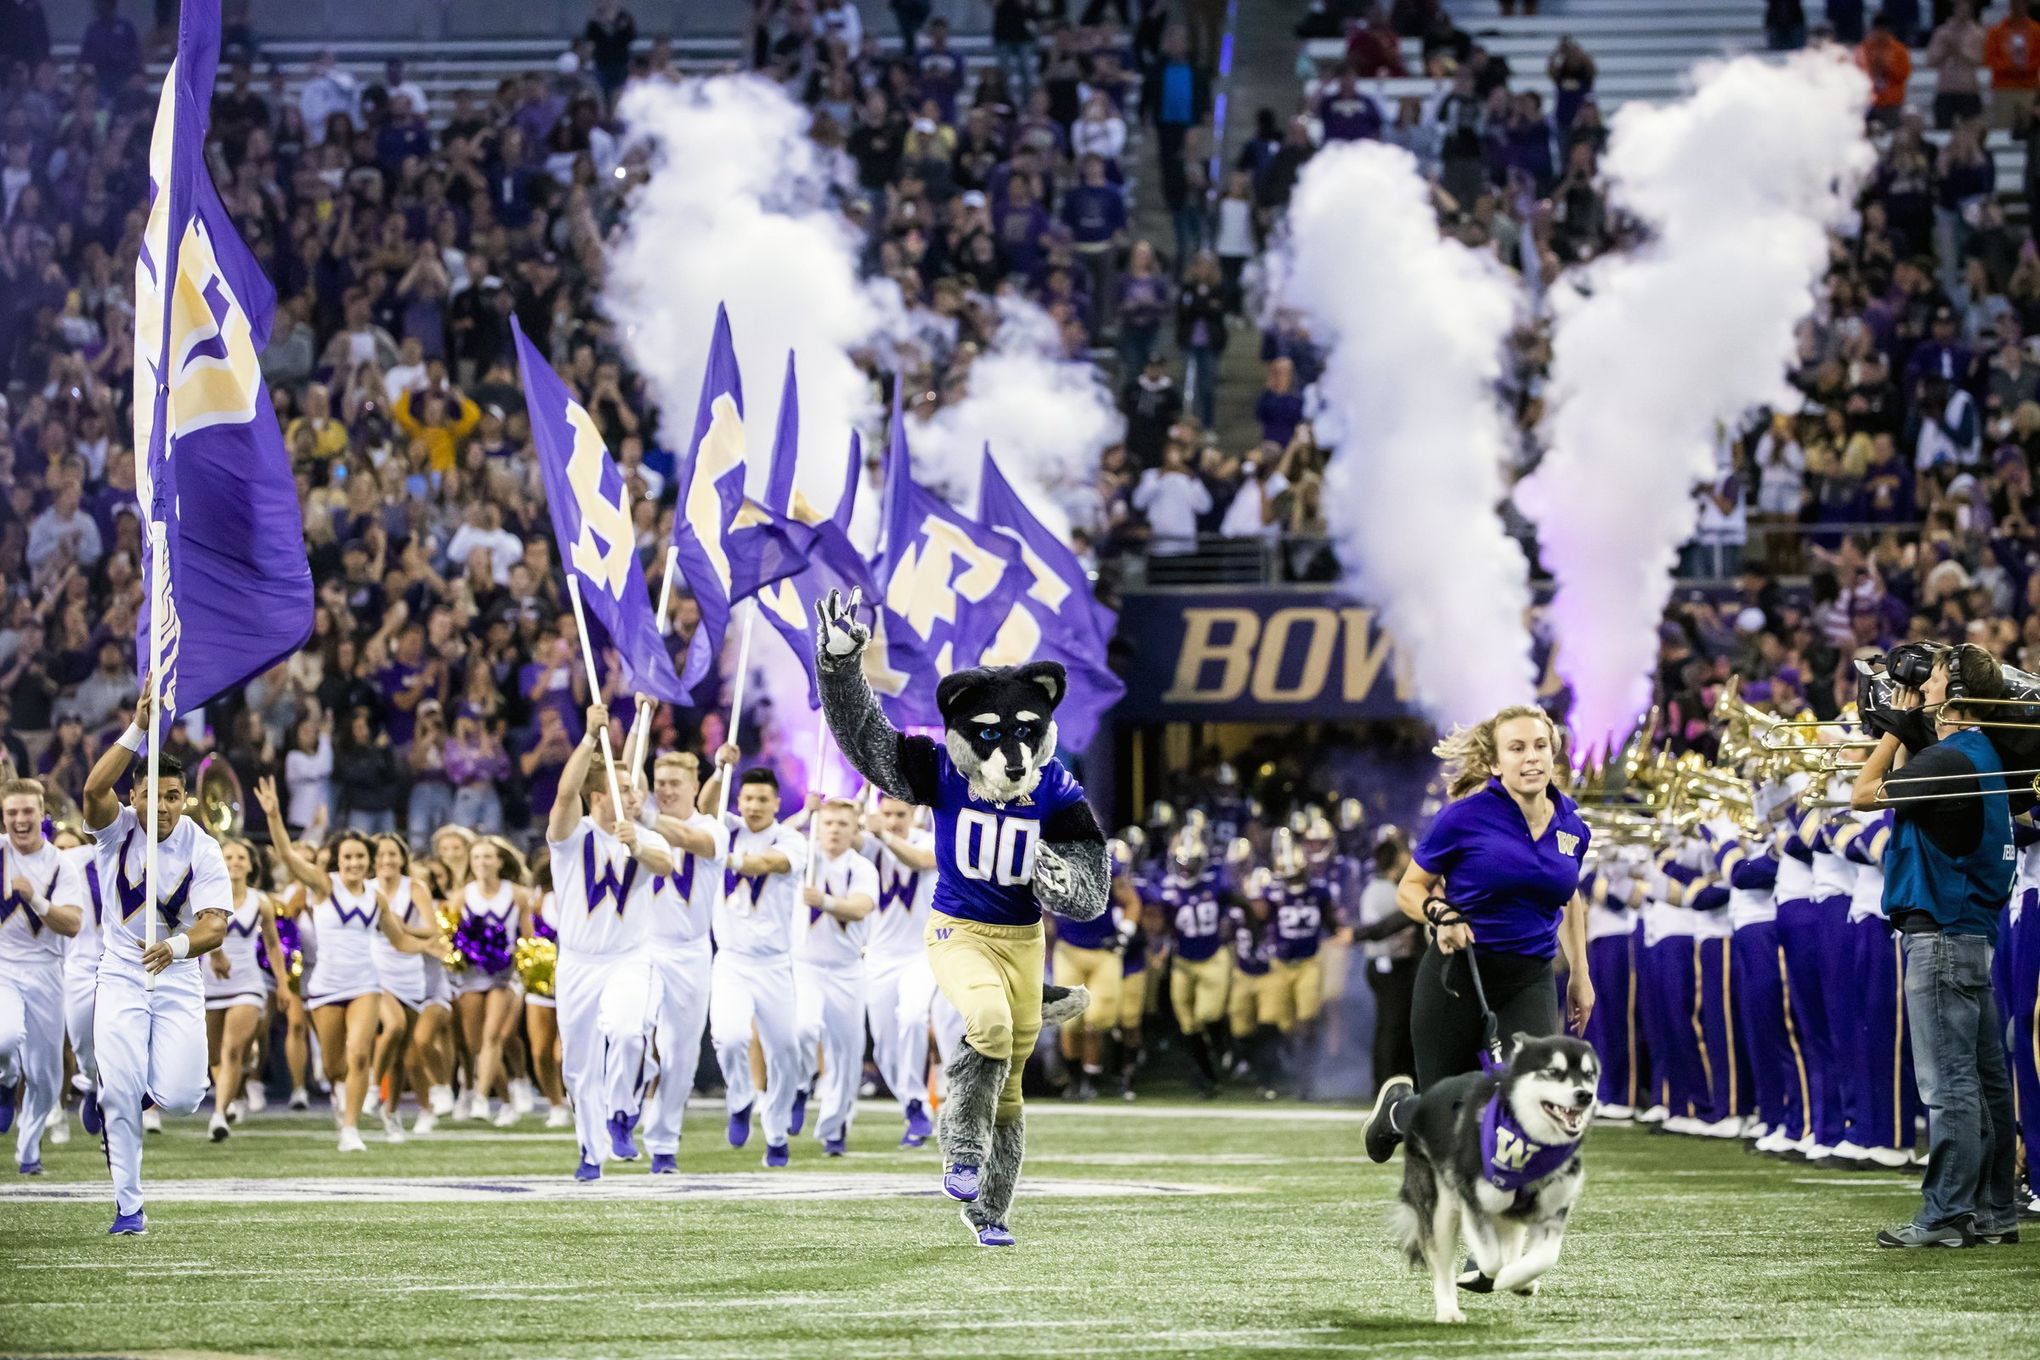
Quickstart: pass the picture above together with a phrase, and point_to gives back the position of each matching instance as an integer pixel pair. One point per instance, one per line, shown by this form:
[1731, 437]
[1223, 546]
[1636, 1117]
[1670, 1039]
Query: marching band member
[1612, 929]
[39, 912]
[682, 955]
[236, 988]
[1780, 1064]
[340, 988]
[753, 972]
[1724, 1063]
[603, 866]
[1803, 932]
[149, 1042]
[828, 969]
[899, 987]
[1500, 867]
[1883, 1100]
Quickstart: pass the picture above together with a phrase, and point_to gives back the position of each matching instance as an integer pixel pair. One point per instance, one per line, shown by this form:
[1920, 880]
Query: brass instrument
[220, 808]
[63, 813]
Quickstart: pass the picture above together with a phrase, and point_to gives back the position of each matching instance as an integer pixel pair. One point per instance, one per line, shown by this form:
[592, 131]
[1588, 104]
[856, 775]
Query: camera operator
[1948, 873]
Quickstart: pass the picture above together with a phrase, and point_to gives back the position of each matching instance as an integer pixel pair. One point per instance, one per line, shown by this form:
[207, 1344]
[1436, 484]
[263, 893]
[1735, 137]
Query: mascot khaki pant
[992, 975]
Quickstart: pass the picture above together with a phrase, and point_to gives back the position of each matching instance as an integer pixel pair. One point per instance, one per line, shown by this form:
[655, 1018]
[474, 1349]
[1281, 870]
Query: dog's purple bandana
[1509, 1158]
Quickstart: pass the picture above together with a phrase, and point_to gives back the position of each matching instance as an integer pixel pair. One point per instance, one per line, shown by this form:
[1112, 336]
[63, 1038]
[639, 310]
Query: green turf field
[1228, 1230]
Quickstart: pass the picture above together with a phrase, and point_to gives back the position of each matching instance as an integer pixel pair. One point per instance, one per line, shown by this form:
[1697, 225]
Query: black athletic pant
[1393, 1056]
[1446, 1028]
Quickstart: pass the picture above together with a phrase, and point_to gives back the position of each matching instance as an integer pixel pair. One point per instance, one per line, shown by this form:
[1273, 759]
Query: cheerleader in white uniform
[400, 974]
[236, 988]
[340, 987]
[486, 1004]
[435, 1048]
[541, 1013]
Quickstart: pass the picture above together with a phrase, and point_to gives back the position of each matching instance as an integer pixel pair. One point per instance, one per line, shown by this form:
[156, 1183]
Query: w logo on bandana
[1568, 844]
[607, 883]
[1511, 1152]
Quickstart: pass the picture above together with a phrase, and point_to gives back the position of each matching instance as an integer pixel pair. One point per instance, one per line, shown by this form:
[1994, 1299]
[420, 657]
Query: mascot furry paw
[1013, 836]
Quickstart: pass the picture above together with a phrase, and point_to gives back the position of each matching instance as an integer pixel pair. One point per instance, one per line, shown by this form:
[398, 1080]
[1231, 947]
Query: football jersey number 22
[996, 849]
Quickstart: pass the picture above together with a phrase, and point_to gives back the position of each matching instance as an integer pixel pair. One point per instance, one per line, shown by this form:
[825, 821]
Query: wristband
[180, 946]
[132, 739]
[38, 904]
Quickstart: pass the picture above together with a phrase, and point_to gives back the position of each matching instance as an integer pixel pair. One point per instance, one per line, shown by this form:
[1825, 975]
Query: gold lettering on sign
[1366, 650]
[1317, 657]
[1203, 643]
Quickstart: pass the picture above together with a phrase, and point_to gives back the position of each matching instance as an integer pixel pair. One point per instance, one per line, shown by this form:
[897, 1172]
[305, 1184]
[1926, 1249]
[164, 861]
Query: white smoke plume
[1046, 418]
[736, 212]
[1414, 326]
[1738, 184]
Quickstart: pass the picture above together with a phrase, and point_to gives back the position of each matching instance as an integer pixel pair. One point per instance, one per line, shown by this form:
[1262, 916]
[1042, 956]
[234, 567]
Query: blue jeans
[431, 800]
[1959, 1057]
[479, 808]
[1200, 376]
[371, 823]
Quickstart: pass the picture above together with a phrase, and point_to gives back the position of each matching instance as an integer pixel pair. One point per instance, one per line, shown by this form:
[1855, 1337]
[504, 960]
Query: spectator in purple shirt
[1349, 114]
[1143, 305]
[475, 762]
[111, 47]
[941, 70]
[1095, 213]
[1279, 408]
[541, 761]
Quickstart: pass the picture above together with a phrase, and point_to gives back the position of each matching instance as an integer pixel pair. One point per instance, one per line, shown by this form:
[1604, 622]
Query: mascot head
[999, 725]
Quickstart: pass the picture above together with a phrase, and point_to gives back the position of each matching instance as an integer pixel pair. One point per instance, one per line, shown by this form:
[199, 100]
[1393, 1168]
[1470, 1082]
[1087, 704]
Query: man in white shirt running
[753, 973]
[899, 987]
[604, 865]
[828, 970]
[150, 1043]
[683, 905]
[39, 896]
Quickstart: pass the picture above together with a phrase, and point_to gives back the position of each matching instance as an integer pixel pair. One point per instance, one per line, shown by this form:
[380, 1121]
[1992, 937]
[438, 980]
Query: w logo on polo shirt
[1568, 844]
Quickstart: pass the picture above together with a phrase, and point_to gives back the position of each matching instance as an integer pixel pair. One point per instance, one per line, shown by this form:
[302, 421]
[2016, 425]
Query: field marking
[625, 1188]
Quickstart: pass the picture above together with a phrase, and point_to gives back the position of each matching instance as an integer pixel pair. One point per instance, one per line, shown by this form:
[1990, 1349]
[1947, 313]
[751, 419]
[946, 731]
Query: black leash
[1444, 914]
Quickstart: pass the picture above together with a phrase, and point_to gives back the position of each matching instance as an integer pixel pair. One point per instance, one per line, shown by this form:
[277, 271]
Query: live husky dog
[1494, 1157]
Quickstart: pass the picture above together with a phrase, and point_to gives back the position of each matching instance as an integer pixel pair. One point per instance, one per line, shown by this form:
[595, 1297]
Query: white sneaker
[1656, 1114]
[392, 1127]
[441, 1099]
[257, 1099]
[480, 1109]
[219, 1128]
[1815, 1152]
[425, 1122]
[1847, 1151]
[1893, 1159]
[350, 1141]
[372, 1102]
[507, 1116]
[1730, 1127]
[1683, 1123]
[1774, 1141]
[559, 1117]
[300, 1099]
[462, 1104]
[1754, 1128]
[1615, 1114]
[60, 1128]
[237, 1110]
[152, 1121]
[523, 1098]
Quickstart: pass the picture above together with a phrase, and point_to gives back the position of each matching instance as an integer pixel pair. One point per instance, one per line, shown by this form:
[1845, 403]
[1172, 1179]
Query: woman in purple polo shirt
[1499, 869]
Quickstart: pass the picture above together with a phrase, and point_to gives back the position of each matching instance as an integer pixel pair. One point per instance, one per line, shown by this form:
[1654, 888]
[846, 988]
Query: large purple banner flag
[213, 477]
[946, 587]
[1058, 618]
[729, 546]
[833, 563]
[590, 510]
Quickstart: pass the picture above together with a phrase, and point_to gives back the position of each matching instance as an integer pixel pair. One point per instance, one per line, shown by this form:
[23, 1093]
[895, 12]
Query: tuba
[220, 809]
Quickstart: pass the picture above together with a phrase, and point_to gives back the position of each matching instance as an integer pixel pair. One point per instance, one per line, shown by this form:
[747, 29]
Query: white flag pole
[595, 692]
[638, 744]
[815, 783]
[750, 608]
[159, 573]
